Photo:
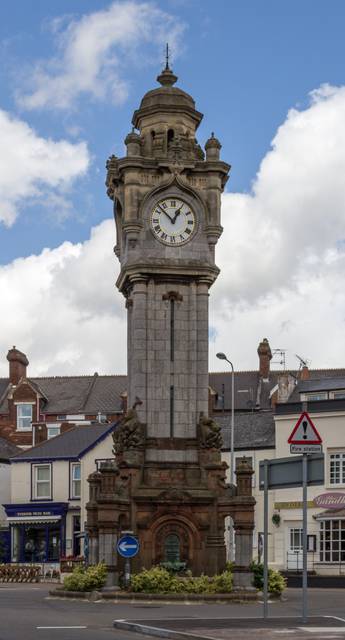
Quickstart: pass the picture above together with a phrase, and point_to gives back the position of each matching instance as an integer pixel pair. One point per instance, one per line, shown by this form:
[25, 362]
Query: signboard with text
[305, 437]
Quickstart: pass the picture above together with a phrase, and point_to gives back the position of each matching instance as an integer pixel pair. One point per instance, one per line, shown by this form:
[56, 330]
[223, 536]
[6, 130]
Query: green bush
[223, 583]
[276, 582]
[159, 580]
[155, 580]
[89, 579]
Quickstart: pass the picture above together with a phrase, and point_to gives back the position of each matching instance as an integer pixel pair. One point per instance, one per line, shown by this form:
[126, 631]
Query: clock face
[173, 221]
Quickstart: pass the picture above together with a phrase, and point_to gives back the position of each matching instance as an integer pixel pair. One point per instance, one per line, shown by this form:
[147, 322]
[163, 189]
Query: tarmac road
[26, 612]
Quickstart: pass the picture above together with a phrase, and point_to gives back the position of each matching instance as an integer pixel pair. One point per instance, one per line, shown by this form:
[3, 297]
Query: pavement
[27, 612]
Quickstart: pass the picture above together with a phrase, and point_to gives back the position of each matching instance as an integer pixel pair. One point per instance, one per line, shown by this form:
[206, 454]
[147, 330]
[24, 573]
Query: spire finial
[167, 57]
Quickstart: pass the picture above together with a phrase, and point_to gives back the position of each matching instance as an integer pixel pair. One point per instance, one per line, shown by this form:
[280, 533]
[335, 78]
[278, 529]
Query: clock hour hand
[177, 213]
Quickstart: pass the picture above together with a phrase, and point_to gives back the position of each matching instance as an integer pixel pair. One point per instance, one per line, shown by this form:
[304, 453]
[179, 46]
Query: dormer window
[314, 397]
[24, 416]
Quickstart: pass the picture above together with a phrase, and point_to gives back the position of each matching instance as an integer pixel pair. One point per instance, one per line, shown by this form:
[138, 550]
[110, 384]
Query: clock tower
[167, 195]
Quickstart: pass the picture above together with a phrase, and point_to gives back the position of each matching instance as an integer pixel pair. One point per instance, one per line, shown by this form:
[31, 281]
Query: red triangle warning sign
[304, 432]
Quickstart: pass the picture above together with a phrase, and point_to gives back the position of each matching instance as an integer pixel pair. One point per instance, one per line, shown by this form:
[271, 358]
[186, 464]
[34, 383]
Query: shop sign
[330, 500]
[33, 513]
[293, 504]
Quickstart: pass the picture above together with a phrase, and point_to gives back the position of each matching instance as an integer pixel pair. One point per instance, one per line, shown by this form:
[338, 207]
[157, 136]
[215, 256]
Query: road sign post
[128, 546]
[305, 439]
[265, 538]
[305, 531]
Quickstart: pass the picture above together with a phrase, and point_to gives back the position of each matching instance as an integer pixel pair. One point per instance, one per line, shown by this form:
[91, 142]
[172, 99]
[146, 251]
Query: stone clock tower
[168, 485]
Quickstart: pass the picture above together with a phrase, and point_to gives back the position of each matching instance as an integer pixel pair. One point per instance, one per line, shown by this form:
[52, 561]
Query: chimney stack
[304, 374]
[18, 363]
[265, 355]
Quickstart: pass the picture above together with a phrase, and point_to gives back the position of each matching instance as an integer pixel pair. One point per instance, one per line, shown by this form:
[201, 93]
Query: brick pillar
[244, 525]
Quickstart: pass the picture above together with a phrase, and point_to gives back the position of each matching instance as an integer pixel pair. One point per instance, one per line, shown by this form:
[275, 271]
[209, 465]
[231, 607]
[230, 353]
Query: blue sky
[247, 63]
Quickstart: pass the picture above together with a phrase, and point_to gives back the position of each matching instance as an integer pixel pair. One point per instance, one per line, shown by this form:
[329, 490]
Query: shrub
[222, 583]
[155, 580]
[159, 580]
[276, 582]
[89, 579]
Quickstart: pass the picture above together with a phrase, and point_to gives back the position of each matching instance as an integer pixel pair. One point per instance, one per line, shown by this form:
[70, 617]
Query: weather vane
[167, 56]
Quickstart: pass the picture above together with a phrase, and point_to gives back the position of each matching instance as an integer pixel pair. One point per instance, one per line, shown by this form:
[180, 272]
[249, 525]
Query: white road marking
[335, 618]
[74, 627]
[323, 630]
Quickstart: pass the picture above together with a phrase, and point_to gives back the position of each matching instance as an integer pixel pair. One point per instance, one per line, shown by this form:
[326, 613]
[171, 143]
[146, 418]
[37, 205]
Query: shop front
[38, 532]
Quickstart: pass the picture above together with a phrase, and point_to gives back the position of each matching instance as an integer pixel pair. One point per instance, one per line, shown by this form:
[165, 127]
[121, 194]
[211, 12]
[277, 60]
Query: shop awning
[34, 519]
[330, 514]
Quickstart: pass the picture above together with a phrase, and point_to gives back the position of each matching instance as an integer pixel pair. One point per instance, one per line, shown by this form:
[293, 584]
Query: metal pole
[127, 571]
[232, 453]
[265, 538]
[232, 468]
[305, 557]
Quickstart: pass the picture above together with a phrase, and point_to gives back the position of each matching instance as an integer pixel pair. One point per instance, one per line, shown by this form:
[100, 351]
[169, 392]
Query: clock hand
[177, 213]
[167, 215]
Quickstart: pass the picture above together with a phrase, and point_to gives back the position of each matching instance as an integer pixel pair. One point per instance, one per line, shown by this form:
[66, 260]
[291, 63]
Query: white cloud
[94, 52]
[282, 258]
[63, 310]
[33, 168]
[282, 251]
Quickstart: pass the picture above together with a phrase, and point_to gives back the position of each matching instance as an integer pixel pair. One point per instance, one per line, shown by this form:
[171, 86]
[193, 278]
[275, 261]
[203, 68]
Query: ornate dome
[166, 98]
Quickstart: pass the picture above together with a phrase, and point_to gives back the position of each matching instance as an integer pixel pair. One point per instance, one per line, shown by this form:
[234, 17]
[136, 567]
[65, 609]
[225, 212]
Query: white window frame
[314, 396]
[332, 540]
[55, 427]
[338, 395]
[337, 468]
[35, 481]
[19, 406]
[74, 495]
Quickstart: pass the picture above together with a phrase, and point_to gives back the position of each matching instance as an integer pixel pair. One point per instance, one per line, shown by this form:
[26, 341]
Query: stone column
[107, 541]
[244, 525]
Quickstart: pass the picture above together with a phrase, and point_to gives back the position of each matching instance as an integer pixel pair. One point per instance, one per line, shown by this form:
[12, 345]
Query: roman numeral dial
[172, 221]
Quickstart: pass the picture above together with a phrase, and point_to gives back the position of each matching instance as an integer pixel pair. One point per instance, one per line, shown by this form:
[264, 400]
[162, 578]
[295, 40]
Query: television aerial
[303, 362]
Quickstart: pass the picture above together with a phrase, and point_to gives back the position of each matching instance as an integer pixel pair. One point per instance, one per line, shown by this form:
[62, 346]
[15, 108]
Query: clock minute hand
[167, 215]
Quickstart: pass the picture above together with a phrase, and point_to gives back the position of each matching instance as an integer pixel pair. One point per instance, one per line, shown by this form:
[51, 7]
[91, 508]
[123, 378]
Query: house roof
[91, 394]
[252, 430]
[252, 391]
[7, 449]
[317, 384]
[77, 394]
[72, 444]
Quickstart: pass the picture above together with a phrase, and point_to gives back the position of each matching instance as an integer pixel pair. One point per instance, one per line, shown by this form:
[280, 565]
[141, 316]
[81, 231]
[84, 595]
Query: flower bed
[159, 580]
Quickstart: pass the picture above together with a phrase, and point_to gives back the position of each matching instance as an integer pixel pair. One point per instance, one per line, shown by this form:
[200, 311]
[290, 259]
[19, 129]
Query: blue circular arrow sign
[128, 546]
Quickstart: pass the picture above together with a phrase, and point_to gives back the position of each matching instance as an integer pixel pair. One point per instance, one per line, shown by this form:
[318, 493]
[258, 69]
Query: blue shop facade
[49, 491]
[37, 531]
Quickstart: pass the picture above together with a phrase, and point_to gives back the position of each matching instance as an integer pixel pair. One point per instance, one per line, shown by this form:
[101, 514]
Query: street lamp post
[222, 356]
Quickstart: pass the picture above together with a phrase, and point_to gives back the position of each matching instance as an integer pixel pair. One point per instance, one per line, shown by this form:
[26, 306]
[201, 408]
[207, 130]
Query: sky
[268, 75]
